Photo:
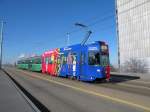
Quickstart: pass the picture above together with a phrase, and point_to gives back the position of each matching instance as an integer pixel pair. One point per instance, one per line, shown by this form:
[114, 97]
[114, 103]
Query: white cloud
[21, 55]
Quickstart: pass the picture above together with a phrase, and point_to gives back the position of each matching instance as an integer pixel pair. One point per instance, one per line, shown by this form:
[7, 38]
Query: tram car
[35, 64]
[49, 62]
[85, 62]
[23, 64]
[31, 63]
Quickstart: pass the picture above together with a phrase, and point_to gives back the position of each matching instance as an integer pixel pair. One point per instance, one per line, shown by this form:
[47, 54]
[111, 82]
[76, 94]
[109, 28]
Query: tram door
[58, 65]
[74, 64]
[82, 68]
[46, 64]
[30, 64]
[69, 64]
[63, 65]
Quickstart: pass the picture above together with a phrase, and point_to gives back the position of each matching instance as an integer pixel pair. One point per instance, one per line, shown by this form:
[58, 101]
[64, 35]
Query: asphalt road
[128, 84]
[64, 95]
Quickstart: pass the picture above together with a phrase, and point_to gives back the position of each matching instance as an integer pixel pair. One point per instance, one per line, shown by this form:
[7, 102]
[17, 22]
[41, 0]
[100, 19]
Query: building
[133, 18]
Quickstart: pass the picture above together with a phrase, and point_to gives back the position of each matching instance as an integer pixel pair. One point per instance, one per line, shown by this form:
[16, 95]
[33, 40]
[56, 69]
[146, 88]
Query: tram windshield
[95, 58]
[104, 60]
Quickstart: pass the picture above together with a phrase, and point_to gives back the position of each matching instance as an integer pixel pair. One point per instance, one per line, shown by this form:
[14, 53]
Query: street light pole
[117, 34]
[1, 43]
[68, 39]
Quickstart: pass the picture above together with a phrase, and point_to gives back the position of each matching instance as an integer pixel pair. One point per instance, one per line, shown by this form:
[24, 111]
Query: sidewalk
[11, 100]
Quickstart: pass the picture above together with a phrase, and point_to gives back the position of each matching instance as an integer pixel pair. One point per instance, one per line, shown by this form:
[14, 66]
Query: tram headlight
[98, 70]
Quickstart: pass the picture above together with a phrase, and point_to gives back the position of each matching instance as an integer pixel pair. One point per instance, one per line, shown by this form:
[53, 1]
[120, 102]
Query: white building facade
[133, 17]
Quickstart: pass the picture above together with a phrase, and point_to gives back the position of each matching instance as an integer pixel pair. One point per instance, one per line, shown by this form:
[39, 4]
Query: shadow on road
[117, 79]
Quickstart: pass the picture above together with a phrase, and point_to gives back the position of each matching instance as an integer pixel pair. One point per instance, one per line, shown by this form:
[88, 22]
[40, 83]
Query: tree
[113, 68]
[135, 66]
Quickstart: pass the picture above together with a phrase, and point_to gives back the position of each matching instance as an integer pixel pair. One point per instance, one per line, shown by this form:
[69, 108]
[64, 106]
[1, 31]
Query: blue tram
[85, 62]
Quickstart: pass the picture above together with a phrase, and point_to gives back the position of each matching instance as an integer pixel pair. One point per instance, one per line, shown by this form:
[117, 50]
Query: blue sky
[34, 26]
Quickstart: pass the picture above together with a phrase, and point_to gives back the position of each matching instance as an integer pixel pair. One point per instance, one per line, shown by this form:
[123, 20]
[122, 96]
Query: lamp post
[1, 43]
[117, 34]
[68, 38]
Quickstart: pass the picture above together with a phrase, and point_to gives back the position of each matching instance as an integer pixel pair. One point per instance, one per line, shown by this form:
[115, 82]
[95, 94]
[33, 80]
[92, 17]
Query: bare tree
[135, 66]
[113, 68]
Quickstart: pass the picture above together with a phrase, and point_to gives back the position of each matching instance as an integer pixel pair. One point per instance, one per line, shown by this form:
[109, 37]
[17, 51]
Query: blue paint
[81, 69]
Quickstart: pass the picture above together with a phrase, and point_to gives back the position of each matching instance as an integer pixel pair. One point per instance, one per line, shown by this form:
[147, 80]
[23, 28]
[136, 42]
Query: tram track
[115, 93]
[127, 88]
[131, 85]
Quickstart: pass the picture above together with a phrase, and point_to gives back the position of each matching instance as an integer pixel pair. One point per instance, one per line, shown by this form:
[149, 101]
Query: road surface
[64, 95]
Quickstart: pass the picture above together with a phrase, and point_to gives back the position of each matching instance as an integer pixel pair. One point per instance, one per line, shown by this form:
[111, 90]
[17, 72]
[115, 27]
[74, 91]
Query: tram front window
[94, 58]
[104, 60]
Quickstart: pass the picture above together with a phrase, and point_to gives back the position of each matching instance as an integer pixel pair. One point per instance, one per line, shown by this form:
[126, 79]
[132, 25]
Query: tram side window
[74, 58]
[37, 61]
[49, 60]
[34, 61]
[19, 62]
[46, 60]
[94, 58]
[63, 59]
[27, 61]
[82, 58]
[24, 62]
[31, 62]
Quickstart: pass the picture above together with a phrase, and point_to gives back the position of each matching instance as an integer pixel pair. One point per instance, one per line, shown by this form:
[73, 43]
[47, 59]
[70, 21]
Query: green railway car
[32, 64]
[35, 64]
[23, 64]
